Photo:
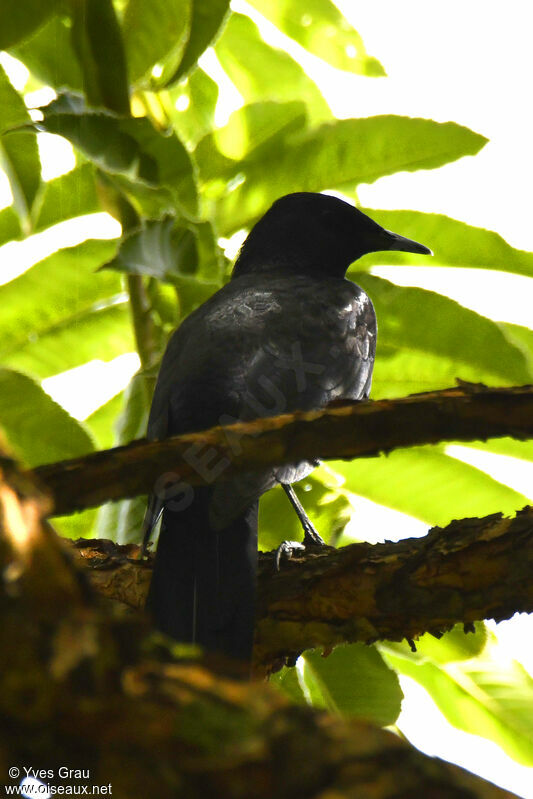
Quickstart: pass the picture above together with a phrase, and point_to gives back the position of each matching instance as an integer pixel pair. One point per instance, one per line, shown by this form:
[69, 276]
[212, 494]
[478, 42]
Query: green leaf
[521, 337]
[506, 446]
[251, 134]
[286, 679]
[353, 681]
[70, 195]
[324, 31]
[154, 167]
[38, 429]
[54, 291]
[186, 256]
[200, 92]
[429, 485]
[19, 19]
[13, 111]
[481, 696]
[399, 371]
[170, 251]
[324, 502]
[122, 521]
[261, 72]
[207, 19]
[9, 225]
[348, 151]
[97, 41]
[77, 525]
[50, 56]
[455, 645]
[19, 155]
[413, 320]
[454, 243]
[155, 32]
[102, 421]
[162, 249]
[99, 333]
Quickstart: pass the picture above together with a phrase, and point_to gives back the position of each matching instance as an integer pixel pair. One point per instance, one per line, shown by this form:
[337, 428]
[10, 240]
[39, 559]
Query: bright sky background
[470, 62]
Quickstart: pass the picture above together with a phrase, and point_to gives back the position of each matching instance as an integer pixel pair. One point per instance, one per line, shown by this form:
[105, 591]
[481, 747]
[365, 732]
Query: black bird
[288, 332]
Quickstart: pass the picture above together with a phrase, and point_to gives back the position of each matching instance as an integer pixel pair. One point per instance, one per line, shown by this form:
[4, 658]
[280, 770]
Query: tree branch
[83, 689]
[363, 429]
[472, 569]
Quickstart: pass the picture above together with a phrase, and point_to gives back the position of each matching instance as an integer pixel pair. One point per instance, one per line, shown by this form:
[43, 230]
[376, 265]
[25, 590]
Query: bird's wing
[322, 349]
[261, 347]
[319, 347]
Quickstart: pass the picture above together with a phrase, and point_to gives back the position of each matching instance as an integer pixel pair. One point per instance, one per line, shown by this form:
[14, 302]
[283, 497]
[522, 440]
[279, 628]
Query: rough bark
[363, 429]
[82, 688]
[472, 569]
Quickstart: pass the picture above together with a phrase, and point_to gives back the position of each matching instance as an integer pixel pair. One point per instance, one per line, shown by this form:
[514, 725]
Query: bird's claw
[286, 549]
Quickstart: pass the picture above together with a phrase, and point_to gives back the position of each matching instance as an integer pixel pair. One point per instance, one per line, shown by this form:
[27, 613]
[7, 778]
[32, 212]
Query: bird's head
[315, 234]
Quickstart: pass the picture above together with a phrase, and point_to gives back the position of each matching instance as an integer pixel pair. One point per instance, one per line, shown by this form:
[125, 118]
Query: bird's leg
[311, 537]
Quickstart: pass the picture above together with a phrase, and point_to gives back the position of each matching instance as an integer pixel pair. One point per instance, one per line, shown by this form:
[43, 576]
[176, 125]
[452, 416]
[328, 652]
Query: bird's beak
[395, 242]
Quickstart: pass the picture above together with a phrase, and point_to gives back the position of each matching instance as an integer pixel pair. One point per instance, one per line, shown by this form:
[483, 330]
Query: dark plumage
[288, 332]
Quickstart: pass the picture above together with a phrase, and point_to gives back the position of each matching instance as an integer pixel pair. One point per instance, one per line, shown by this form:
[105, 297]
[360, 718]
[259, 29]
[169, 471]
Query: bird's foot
[286, 550]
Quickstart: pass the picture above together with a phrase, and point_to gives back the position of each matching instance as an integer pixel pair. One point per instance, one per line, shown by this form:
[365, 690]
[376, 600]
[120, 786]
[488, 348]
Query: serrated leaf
[413, 320]
[97, 41]
[481, 697]
[198, 118]
[261, 72]
[19, 19]
[59, 288]
[155, 32]
[19, 155]
[154, 167]
[348, 151]
[101, 333]
[354, 681]
[70, 195]
[252, 132]
[161, 248]
[429, 485]
[454, 243]
[50, 56]
[37, 428]
[170, 251]
[324, 31]
[206, 22]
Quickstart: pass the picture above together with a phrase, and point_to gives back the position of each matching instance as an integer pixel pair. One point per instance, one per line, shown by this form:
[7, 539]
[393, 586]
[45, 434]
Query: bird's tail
[203, 583]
